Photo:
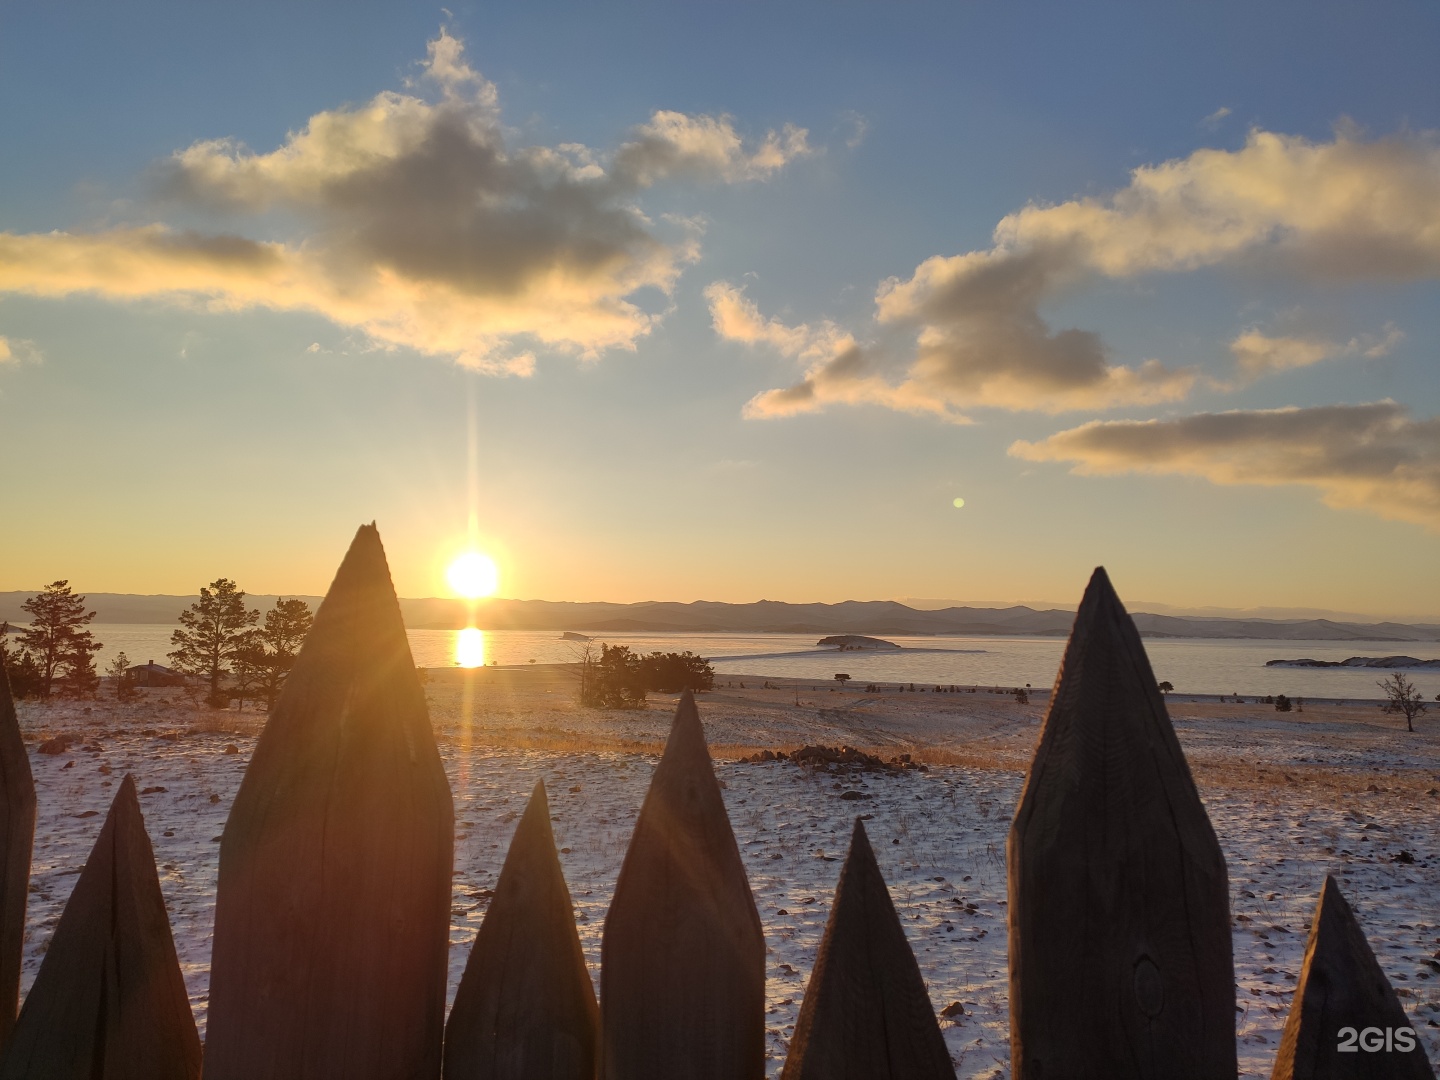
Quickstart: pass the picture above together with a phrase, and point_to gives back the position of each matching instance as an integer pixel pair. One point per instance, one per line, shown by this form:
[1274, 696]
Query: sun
[472, 575]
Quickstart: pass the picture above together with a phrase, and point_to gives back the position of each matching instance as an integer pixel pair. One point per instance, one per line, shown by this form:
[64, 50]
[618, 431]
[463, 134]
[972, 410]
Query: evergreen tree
[212, 633]
[57, 640]
[119, 670]
[286, 625]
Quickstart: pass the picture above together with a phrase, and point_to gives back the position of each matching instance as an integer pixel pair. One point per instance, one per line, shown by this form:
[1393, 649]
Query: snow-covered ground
[1290, 797]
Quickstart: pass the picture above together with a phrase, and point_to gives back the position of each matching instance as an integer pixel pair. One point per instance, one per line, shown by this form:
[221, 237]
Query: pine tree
[286, 625]
[57, 638]
[212, 634]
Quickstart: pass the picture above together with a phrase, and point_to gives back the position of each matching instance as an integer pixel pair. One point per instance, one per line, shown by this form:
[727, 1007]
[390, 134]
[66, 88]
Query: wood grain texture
[866, 1013]
[109, 1002]
[1119, 912]
[17, 836]
[1341, 985]
[332, 911]
[525, 1008]
[682, 982]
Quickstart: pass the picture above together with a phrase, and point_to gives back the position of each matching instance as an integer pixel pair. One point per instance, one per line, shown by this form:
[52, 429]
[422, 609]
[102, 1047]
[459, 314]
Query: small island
[856, 642]
[571, 635]
[1358, 662]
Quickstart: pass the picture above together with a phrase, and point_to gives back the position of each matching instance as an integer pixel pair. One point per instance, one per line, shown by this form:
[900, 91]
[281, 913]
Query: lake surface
[1195, 666]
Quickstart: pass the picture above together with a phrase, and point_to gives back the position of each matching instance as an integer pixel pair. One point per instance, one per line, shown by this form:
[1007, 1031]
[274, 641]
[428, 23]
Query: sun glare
[470, 648]
[473, 575]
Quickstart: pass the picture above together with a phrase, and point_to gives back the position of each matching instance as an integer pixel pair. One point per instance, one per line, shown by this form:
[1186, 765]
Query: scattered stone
[851, 796]
[951, 1011]
[231, 748]
[58, 745]
[68, 765]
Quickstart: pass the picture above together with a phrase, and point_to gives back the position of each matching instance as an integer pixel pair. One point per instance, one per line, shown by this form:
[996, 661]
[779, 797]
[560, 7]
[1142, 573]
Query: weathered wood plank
[1119, 911]
[17, 835]
[109, 1002]
[682, 980]
[332, 909]
[525, 1008]
[1342, 986]
[866, 1013]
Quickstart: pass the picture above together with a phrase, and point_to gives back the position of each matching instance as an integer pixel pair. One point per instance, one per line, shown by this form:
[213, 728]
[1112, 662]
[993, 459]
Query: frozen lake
[1194, 666]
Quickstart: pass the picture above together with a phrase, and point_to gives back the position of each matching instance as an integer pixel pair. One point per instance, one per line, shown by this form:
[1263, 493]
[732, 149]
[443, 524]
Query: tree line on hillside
[220, 642]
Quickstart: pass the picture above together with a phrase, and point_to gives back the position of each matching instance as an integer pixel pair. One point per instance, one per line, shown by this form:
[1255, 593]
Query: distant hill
[872, 617]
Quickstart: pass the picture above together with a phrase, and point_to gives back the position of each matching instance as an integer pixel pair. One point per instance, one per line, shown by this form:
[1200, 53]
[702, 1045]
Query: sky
[726, 302]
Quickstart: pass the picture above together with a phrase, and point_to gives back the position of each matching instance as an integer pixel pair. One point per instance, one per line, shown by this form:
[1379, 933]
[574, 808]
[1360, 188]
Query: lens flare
[470, 648]
[472, 575]
[959, 503]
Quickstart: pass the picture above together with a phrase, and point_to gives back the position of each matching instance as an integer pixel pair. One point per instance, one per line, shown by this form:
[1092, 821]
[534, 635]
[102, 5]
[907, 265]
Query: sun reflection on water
[470, 648]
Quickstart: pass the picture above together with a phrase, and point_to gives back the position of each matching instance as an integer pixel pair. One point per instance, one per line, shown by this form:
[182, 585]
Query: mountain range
[886, 617]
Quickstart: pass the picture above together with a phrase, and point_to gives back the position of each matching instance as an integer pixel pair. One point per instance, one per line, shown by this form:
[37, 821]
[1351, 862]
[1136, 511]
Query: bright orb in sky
[959, 503]
[473, 575]
[470, 648]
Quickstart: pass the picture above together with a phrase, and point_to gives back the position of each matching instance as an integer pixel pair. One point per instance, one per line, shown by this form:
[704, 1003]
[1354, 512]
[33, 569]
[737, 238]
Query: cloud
[1283, 205]
[859, 128]
[703, 147]
[838, 369]
[19, 351]
[1213, 120]
[420, 225]
[1371, 457]
[1257, 353]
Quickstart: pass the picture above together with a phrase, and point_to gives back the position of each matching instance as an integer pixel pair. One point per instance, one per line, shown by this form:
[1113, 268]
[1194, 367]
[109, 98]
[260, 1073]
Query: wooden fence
[332, 913]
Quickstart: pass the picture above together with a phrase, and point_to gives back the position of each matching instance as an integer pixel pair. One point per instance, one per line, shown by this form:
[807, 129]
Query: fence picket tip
[17, 838]
[109, 1001]
[682, 977]
[866, 1014]
[332, 908]
[1342, 986]
[525, 1007]
[1119, 911]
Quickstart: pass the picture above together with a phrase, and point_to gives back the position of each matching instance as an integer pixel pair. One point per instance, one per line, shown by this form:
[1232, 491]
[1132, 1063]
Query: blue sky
[731, 302]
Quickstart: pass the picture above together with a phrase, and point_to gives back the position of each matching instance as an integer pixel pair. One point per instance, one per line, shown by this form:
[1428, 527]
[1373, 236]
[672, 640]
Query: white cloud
[421, 226]
[1213, 120]
[1372, 457]
[1281, 204]
[1258, 353]
[703, 147]
[19, 351]
[859, 128]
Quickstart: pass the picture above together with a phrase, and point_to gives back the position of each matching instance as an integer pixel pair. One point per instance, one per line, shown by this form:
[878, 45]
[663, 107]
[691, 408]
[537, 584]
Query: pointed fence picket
[333, 913]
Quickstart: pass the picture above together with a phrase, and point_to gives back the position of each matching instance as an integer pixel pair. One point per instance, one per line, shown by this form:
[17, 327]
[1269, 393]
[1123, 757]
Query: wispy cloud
[421, 226]
[19, 351]
[1372, 457]
[1212, 121]
[1280, 205]
[1257, 353]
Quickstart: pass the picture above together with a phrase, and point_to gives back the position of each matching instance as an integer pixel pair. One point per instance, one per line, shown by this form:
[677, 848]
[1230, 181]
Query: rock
[58, 745]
